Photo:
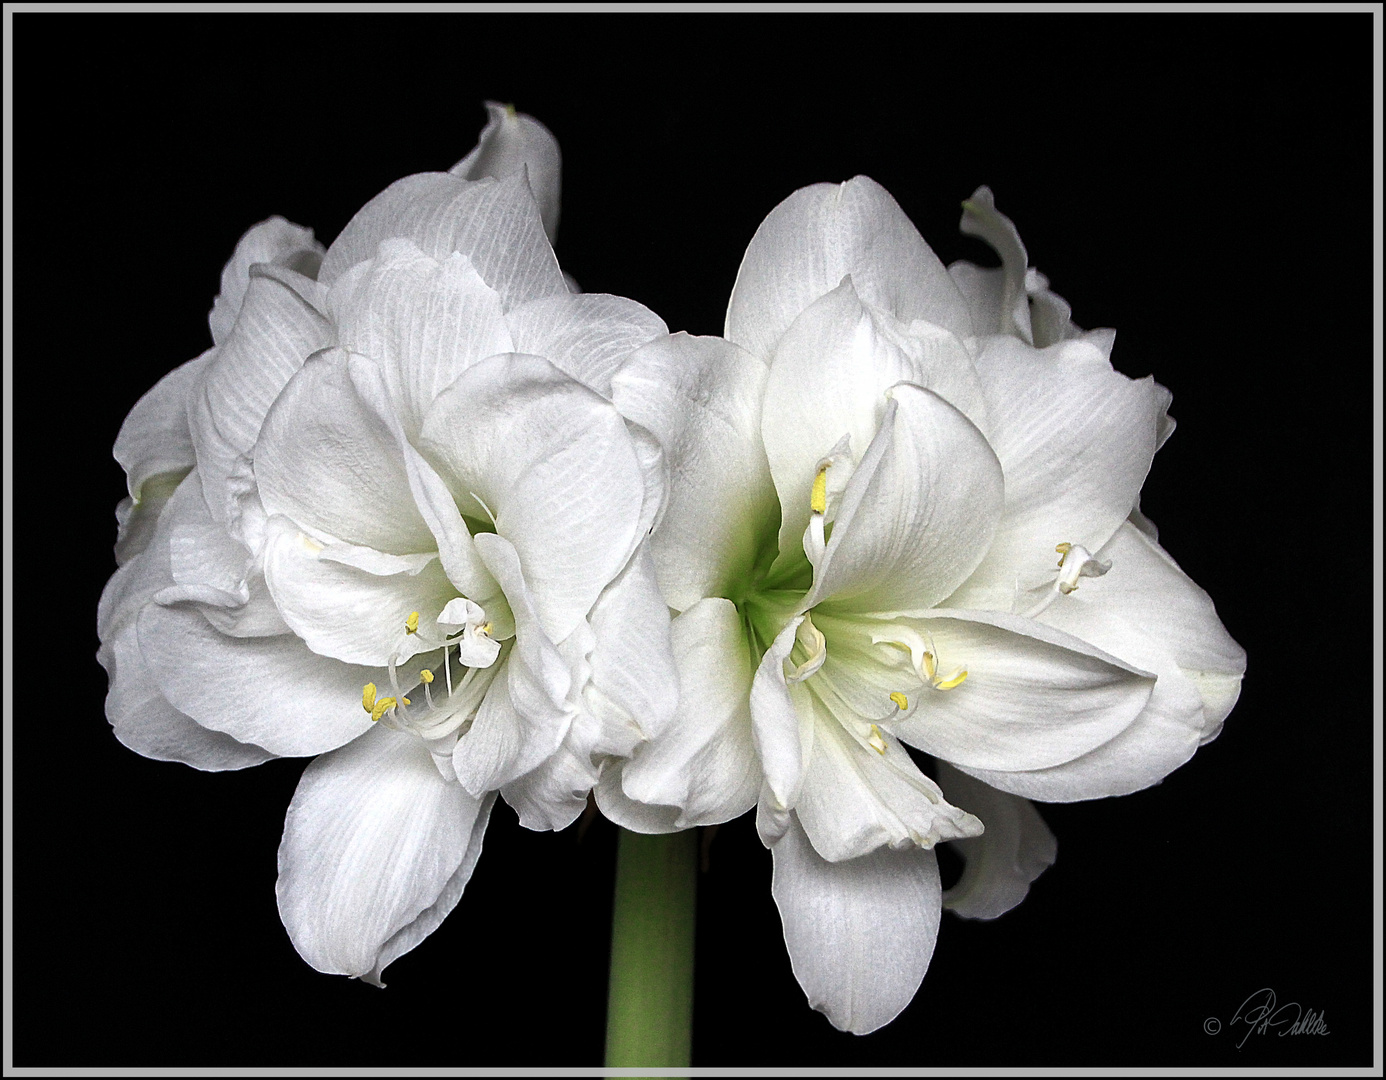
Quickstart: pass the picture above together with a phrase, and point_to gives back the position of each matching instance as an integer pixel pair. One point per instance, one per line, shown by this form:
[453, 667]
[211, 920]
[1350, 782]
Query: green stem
[649, 1015]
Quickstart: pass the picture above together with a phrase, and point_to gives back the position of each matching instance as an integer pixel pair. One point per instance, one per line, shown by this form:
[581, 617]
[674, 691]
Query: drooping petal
[1011, 314]
[279, 326]
[373, 844]
[273, 240]
[350, 614]
[701, 397]
[857, 797]
[1001, 863]
[1075, 440]
[144, 721]
[553, 795]
[586, 336]
[620, 809]
[860, 933]
[553, 461]
[511, 143]
[918, 513]
[495, 223]
[329, 459]
[829, 378]
[1033, 695]
[422, 320]
[782, 728]
[705, 762]
[273, 692]
[819, 235]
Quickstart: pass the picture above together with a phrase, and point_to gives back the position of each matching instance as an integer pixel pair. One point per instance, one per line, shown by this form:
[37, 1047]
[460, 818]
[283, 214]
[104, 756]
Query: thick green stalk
[649, 1014]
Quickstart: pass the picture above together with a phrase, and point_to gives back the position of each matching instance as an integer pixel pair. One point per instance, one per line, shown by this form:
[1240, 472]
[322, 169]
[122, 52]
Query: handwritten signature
[1261, 1015]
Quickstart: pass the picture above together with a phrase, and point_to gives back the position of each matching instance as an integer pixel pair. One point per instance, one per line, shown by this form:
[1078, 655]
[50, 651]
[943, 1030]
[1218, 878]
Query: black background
[1202, 183]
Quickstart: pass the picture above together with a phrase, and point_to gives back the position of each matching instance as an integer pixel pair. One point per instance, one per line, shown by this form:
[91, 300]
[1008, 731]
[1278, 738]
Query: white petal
[819, 235]
[856, 799]
[524, 716]
[351, 614]
[154, 438]
[1075, 440]
[373, 843]
[1162, 737]
[634, 683]
[586, 336]
[918, 513]
[329, 459]
[553, 461]
[512, 142]
[275, 241]
[829, 378]
[270, 691]
[1001, 863]
[552, 796]
[423, 321]
[782, 728]
[495, 223]
[704, 762]
[279, 326]
[701, 397]
[1033, 697]
[620, 809]
[145, 722]
[860, 934]
[1012, 311]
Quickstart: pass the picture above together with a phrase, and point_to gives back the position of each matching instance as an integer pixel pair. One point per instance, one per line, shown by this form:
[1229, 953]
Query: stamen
[426, 676]
[818, 498]
[368, 697]
[380, 706]
[812, 639]
[411, 624]
[900, 700]
[1076, 561]
[876, 741]
[949, 683]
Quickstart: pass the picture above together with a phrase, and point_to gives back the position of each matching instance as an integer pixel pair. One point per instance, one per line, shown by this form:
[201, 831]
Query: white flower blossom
[873, 477]
[391, 518]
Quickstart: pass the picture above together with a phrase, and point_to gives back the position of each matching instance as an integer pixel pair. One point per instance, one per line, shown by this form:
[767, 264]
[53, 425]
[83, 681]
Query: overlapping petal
[819, 235]
[512, 143]
[495, 223]
[554, 463]
[918, 513]
[377, 848]
[701, 397]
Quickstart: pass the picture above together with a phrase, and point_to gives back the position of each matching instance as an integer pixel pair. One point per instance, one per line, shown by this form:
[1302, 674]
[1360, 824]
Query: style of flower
[392, 519]
[871, 478]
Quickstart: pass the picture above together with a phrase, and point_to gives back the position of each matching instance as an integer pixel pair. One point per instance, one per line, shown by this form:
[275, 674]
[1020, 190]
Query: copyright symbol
[1212, 1025]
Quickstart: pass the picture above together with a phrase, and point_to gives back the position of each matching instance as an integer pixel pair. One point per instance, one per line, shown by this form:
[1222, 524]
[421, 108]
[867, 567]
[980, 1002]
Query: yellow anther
[900, 700]
[426, 675]
[818, 499]
[382, 705]
[484, 629]
[411, 624]
[876, 741]
[408, 702]
[1063, 550]
[927, 662]
[368, 697]
[948, 684]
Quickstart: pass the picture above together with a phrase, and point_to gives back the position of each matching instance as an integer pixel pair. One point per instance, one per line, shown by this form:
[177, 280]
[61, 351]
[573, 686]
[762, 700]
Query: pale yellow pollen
[368, 697]
[818, 498]
[948, 684]
[929, 668]
[411, 624]
[381, 706]
[900, 700]
[1063, 550]
[426, 675]
[876, 741]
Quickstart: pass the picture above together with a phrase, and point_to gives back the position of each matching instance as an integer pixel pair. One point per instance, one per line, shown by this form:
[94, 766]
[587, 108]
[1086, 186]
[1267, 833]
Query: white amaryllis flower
[392, 519]
[868, 497]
